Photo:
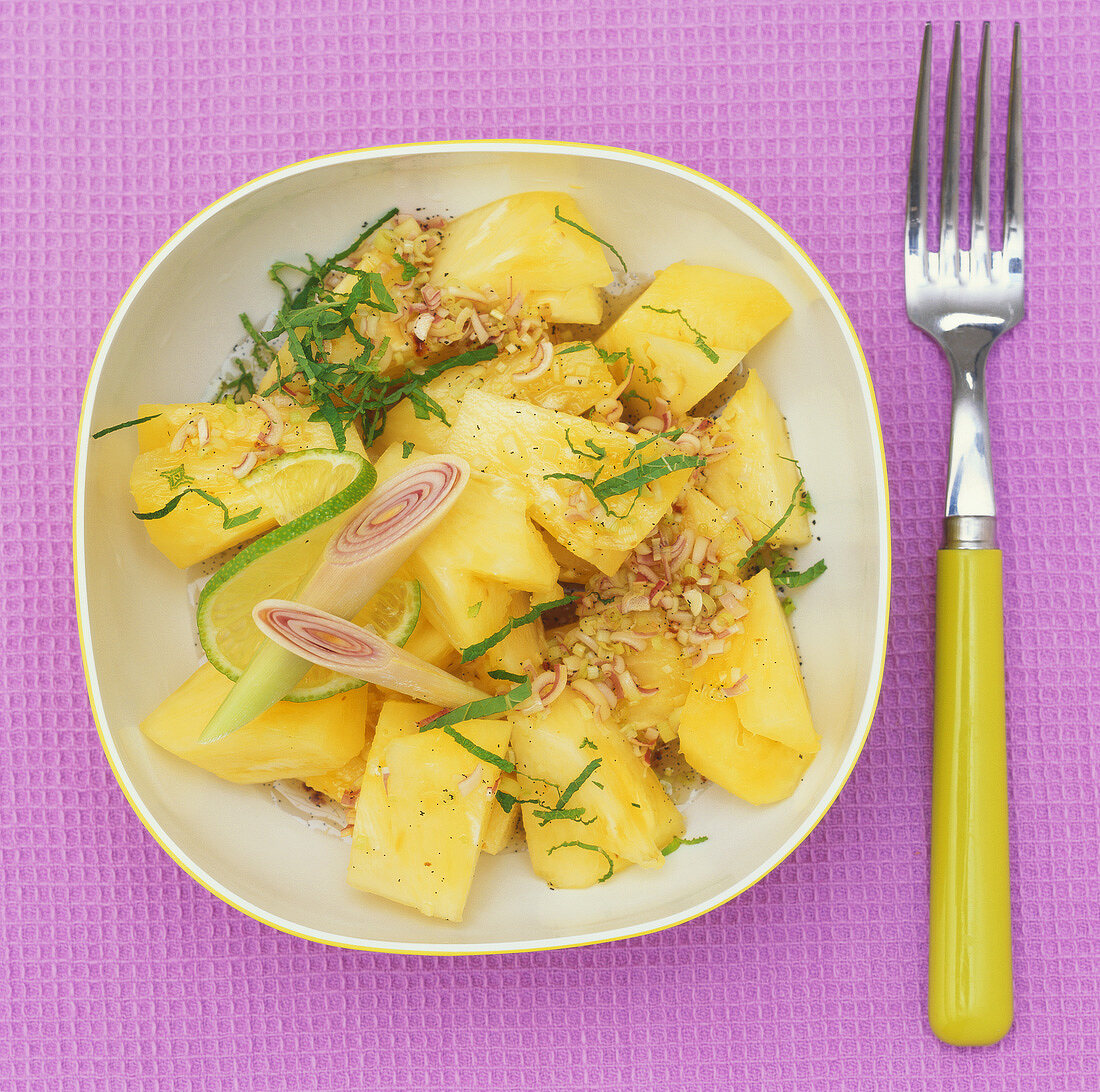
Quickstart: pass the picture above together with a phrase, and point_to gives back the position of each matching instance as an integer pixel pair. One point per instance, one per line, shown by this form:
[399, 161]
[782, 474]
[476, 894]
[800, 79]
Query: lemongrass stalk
[329, 641]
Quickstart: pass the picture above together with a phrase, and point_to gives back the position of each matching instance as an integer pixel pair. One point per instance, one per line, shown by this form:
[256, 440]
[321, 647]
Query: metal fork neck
[970, 509]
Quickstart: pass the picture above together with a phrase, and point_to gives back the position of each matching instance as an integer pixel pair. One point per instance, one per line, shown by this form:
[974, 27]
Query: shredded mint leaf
[677, 842]
[473, 610]
[587, 743]
[641, 475]
[578, 781]
[639, 397]
[789, 578]
[318, 273]
[764, 539]
[407, 267]
[548, 815]
[228, 521]
[590, 234]
[700, 341]
[508, 676]
[177, 476]
[407, 448]
[125, 424]
[594, 449]
[579, 347]
[482, 647]
[506, 801]
[483, 707]
[476, 751]
[595, 849]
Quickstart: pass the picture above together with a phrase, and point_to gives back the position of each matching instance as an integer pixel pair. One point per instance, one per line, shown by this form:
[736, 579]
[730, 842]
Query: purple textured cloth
[120, 118]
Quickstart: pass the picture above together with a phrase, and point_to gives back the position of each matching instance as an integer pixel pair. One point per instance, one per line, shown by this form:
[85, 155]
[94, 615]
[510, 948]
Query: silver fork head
[979, 289]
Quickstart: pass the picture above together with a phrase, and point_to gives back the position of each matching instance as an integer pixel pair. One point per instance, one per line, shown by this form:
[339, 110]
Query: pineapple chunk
[660, 664]
[502, 825]
[529, 445]
[576, 380]
[430, 645]
[341, 785]
[707, 520]
[518, 245]
[483, 549]
[193, 530]
[715, 742]
[292, 739]
[775, 704]
[757, 479]
[662, 329]
[619, 813]
[423, 810]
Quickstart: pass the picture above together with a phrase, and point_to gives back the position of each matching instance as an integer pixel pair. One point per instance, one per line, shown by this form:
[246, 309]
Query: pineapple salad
[479, 563]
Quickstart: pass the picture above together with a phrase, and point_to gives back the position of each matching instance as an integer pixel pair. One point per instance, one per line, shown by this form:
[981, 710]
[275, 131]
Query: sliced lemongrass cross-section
[329, 641]
[369, 548]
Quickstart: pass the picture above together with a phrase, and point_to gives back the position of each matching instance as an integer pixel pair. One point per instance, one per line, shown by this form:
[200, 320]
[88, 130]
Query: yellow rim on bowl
[533, 147]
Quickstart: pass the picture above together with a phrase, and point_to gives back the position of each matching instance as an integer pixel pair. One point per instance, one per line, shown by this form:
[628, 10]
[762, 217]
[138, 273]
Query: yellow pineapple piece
[484, 549]
[502, 825]
[660, 664]
[529, 445]
[715, 742]
[518, 245]
[577, 378]
[193, 530]
[292, 739]
[774, 703]
[618, 813]
[423, 810]
[429, 643]
[689, 330]
[707, 520]
[341, 784]
[757, 479]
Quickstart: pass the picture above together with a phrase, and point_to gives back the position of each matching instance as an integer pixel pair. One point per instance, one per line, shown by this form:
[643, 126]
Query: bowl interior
[171, 334]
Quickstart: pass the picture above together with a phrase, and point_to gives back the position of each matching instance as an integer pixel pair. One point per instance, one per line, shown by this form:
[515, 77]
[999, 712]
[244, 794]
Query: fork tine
[916, 243]
[1013, 246]
[949, 180]
[979, 179]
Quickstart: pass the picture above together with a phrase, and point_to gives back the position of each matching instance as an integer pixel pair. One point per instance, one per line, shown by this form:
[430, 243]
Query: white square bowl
[171, 333]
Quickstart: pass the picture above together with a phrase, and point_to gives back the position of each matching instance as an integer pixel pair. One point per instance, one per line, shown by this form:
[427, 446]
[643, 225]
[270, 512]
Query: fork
[965, 300]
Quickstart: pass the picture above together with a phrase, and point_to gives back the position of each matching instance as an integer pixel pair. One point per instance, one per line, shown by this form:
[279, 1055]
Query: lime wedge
[314, 490]
[394, 611]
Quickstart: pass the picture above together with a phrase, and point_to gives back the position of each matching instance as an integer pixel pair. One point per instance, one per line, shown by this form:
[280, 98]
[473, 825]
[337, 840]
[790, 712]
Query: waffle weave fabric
[121, 118]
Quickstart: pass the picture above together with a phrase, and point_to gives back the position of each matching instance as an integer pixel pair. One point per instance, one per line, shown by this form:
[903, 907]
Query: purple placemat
[120, 119]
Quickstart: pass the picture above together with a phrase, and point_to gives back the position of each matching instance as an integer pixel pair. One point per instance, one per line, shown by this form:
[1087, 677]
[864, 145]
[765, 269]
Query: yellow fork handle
[970, 934]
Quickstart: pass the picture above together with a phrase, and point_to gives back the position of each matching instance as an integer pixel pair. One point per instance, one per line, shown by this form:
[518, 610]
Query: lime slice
[393, 612]
[315, 489]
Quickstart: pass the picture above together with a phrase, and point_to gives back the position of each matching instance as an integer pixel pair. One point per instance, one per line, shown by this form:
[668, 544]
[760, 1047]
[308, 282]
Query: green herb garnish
[476, 751]
[786, 577]
[700, 341]
[579, 347]
[761, 542]
[125, 424]
[587, 743]
[578, 781]
[232, 388]
[641, 475]
[177, 476]
[677, 842]
[483, 707]
[590, 234]
[473, 610]
[594, 449]
[228, 521]
[482, 647]
[595, 849]
[508, 676]
[407, 448]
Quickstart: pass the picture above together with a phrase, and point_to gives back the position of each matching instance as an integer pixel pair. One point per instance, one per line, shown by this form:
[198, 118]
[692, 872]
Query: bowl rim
[530, 147]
